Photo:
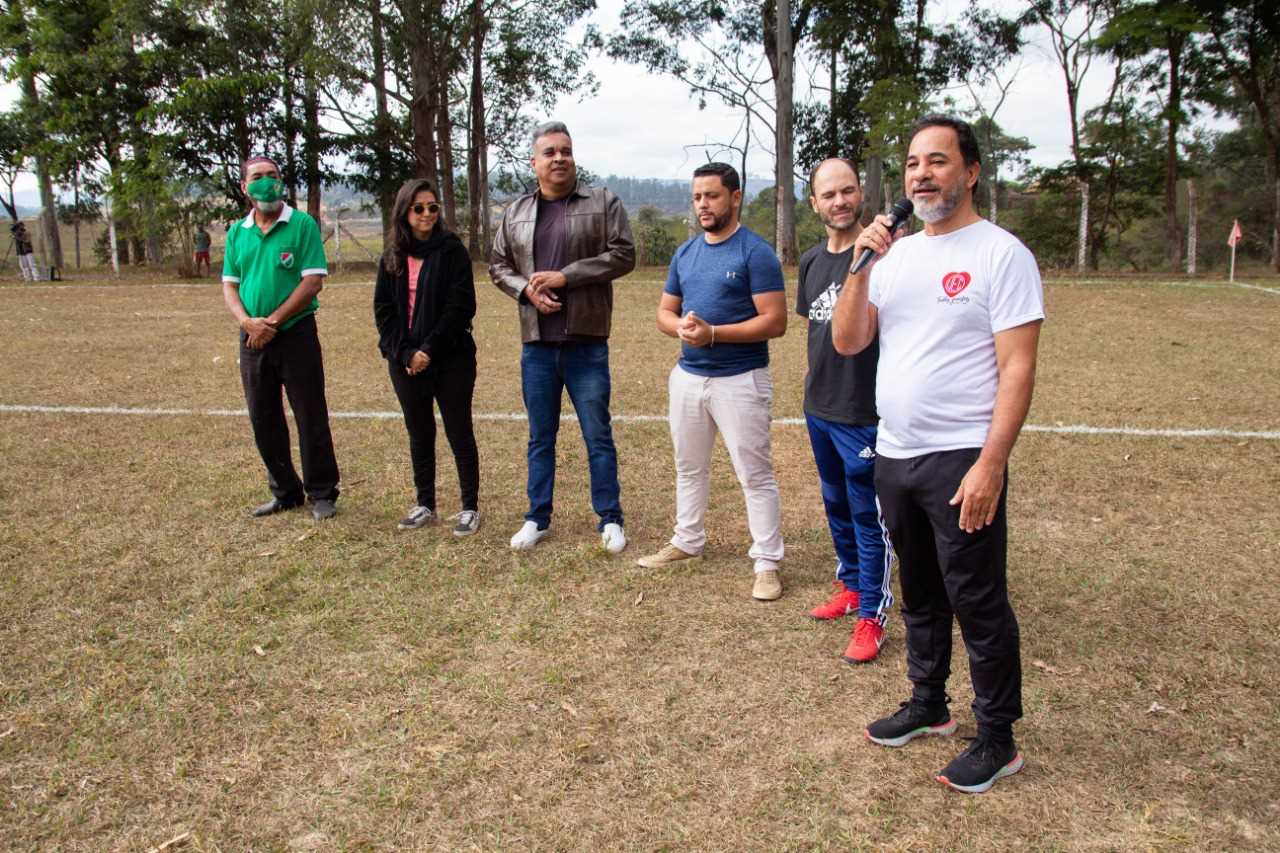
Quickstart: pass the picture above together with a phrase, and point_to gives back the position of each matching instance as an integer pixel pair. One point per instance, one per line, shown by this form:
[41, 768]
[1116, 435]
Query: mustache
[918, 187]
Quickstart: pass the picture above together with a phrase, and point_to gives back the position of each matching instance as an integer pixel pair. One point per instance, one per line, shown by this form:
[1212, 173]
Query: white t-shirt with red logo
[941, 300]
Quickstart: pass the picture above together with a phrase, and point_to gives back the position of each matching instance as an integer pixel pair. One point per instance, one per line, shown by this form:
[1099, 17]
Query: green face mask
[266, 189]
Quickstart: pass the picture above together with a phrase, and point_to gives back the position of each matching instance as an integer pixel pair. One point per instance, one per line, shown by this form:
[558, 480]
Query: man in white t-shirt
[958, 309]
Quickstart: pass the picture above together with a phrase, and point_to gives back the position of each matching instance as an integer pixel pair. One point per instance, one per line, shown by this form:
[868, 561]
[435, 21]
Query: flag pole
[1232, 277]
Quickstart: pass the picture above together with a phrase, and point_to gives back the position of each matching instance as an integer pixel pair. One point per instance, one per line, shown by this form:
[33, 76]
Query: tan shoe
[768, 586]
[668, 555]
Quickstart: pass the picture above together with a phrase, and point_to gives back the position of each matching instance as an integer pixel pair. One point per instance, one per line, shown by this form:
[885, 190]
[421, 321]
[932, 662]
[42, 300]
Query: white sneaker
[613, 538]
[419, 516]
[528, 536]
[468, 522]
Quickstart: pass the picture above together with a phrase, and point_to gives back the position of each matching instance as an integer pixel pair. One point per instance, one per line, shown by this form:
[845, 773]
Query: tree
[1159, 36]
[716, 50]
[1073, 26]
[1245, 39]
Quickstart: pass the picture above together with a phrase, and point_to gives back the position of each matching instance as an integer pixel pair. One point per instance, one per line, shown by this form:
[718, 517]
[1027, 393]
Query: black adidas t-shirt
[839, 388]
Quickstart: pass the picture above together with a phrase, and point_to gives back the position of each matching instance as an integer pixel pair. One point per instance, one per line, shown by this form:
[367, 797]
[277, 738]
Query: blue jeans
[846, 460]
[546, 371]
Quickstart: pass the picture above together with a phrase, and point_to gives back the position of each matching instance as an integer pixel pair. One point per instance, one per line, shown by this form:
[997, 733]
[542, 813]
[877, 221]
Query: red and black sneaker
[843, 601]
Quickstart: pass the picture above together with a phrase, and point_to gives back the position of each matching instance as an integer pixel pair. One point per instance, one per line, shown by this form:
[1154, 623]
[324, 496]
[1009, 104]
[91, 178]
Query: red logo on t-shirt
[954, 282]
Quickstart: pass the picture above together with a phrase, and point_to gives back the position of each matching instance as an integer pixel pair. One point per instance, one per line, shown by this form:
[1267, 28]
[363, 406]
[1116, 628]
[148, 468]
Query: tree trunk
[1192, 236]
[290, 139]
[444, 135]
[75, 190]
[423, 111]
[311, 144]
[1082, 234]
[835, 123]
[1275, 223]
[49, 212]
[785, 182]
[1172, 233]
[873, 189]
[994, 189]
[475, 192]
[382, 126]
[112, 238]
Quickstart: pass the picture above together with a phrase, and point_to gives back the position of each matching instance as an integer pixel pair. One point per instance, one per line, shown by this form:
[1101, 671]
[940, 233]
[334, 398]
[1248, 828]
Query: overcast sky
[637, 124]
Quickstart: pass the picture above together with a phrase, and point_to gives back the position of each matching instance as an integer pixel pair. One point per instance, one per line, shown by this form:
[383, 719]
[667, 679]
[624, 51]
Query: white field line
[211, 284]
[1273, 291]
[1058, 429]
[1065, 282]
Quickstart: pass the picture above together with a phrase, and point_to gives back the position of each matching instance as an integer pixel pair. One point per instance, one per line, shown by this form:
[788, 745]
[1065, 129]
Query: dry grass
[169, 666]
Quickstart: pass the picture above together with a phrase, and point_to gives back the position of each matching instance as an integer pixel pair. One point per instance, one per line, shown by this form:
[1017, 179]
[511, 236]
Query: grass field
[170, 668]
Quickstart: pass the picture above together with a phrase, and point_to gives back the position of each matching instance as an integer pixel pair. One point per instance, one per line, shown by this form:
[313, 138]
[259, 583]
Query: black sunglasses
[429, 208]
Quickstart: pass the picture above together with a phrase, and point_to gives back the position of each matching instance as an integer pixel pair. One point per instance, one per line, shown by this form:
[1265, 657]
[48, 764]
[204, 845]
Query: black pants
[293, 360]
[451, 385]
[944, 572]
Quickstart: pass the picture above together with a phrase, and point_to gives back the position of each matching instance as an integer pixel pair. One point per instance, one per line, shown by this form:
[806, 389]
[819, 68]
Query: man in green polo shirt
[273, 268]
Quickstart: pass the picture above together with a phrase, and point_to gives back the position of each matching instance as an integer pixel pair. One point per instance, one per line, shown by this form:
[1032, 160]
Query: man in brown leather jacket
[557, 252]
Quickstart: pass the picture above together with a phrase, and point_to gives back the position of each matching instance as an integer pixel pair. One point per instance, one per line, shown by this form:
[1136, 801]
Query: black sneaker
[977, 768]
[911, 720]
[274, 506]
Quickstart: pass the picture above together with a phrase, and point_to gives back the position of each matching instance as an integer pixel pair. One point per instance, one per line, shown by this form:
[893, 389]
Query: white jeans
[738, 407]
[27, 264]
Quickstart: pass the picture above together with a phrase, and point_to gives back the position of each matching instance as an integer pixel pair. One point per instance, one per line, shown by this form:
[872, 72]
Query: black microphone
[897, 215]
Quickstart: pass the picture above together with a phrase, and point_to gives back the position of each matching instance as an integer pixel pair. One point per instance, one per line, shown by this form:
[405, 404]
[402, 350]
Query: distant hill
[669, 195]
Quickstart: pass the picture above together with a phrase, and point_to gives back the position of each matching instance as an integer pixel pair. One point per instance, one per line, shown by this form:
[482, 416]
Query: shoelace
[467, 516]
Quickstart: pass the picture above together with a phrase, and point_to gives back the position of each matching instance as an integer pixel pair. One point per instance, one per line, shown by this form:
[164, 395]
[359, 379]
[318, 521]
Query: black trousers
[291, 360]
[451, 385]
[946, 572]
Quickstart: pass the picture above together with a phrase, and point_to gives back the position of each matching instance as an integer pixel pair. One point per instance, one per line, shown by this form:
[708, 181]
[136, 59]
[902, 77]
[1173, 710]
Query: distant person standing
[423, 303]
[26, 252]
[556, 252]
[202, 242]
[840, 411]
[273, 267]
[724, 300]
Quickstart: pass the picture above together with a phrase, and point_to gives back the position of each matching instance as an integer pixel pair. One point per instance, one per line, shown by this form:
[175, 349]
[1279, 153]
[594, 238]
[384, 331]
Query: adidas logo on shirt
[821, 309]
[867, 453]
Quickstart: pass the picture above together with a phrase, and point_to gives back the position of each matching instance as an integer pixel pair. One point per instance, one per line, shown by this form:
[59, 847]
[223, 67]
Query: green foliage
[760, 215]
[657, 236]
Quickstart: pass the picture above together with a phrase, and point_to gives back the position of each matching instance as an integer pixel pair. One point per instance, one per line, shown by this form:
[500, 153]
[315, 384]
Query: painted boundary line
[1064, 282]
[1057, 429]
[1273, 291]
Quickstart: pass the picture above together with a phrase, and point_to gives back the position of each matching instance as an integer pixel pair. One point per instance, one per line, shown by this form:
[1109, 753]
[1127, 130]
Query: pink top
[415, 267]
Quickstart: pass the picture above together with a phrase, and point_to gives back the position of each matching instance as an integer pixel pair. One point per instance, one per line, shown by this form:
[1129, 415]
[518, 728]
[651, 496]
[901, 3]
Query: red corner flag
[1236, 234]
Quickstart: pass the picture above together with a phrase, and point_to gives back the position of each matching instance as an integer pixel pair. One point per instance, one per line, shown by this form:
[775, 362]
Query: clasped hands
[539, 291]
[260, 331]
[420, 362]
[695, 331]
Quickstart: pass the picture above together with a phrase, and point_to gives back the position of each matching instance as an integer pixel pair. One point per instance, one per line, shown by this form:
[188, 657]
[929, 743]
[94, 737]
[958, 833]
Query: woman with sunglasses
[423, 303]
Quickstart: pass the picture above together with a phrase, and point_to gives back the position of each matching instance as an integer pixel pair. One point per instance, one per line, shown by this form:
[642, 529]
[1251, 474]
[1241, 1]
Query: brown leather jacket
[600, 249]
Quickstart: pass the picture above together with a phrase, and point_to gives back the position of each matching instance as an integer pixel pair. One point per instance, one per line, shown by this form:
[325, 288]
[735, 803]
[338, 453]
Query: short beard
[931, 212]
[268, 206]
[847, 226]
[720, 223]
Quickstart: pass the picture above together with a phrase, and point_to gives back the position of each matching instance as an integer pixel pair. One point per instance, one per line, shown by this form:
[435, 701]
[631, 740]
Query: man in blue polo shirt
[273, 268]
[724, 300]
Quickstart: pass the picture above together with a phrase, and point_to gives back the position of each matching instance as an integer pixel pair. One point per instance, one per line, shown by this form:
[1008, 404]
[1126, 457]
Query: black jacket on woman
[446, 302]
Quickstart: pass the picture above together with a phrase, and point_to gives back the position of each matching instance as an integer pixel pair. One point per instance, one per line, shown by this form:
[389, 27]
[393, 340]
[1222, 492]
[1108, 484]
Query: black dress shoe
[273, 506]
[322, 509]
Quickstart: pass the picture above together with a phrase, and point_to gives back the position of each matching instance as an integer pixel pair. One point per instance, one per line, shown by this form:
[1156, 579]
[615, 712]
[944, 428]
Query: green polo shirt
[267, 267]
